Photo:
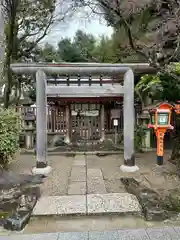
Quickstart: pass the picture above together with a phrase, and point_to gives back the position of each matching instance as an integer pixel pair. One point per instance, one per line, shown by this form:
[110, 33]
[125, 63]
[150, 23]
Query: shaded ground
[80, 144]
[92, 223]
[87, 146]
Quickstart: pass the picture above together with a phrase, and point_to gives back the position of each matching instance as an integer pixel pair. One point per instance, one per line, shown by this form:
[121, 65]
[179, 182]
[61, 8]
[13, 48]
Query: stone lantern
[143, 120]
[29, 120]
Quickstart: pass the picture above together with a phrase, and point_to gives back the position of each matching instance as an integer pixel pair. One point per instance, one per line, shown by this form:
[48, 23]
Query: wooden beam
[85, 91]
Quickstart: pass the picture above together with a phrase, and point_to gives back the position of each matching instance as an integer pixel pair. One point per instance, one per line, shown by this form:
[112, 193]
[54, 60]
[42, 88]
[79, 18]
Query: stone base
[41, 171]
[101, 140]
[67, 141]
[125, 168]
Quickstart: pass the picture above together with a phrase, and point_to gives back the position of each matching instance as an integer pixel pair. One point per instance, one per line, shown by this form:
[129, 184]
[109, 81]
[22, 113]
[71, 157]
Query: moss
[4, 215]
[171, 202]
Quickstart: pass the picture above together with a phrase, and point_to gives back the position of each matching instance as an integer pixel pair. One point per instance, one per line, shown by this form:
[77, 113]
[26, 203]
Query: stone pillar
[67, 113]
[29, 139]
[41, 126]
[147, 140]
[128, 114]
[102, 133]
[29, 134]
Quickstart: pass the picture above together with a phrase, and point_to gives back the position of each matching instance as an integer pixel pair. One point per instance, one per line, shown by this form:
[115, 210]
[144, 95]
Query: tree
[152, 31]
[122, 50]
[104, 51]
[69, 52]
[151, 27]
[27, 23]
[1, 45]
[23, 30]
[10, 11]
[48, 54]
[164, 86]
[80, 49]
[86, 44]
[149, 87]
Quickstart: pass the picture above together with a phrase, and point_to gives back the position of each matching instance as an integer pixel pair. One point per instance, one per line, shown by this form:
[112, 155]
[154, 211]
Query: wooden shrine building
[84, 107]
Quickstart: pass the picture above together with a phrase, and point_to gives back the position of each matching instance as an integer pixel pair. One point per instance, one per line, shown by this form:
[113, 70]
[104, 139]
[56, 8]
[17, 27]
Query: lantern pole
[160, 146]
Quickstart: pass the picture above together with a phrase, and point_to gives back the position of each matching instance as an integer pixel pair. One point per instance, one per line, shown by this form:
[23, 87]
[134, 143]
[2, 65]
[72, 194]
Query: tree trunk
[2, 43]
[11, 37]
[8, 87]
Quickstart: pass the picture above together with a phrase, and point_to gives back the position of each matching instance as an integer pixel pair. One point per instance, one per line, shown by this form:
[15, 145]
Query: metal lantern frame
[155, 115]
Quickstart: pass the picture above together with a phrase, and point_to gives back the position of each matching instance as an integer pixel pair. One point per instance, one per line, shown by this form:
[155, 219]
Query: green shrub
[10, 128]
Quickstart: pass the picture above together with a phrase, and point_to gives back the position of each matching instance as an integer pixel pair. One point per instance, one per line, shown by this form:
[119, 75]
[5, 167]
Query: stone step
[91, 204]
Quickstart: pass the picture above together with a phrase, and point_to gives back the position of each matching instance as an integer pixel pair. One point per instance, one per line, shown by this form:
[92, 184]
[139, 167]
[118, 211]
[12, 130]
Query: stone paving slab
[78, 173]
[165, 233]
[43, 236]
[60, 205]
[135, 234]
[104, 235]
[177, 229]
[168, 233]
[79, 162]
[95, 181]
[77, 188]
[112, 203]
[87, 204]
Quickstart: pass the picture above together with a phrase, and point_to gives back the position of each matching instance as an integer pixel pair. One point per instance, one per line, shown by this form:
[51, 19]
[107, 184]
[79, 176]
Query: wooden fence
[56, 120]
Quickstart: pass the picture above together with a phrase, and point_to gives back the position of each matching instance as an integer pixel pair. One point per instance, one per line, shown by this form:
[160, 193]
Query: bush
[10, 128]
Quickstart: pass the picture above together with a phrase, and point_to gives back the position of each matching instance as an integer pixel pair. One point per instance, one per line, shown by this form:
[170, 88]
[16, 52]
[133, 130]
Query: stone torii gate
[41, 70]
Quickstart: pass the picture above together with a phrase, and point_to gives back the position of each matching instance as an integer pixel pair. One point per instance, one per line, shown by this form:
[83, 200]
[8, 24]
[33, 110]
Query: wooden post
[67, 113]
[53, 119]
[102, 135]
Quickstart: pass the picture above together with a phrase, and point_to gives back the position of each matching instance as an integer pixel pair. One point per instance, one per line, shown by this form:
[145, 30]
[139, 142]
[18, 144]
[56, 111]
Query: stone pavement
[90, 174]
[167, 233]
[86, 205]
[88, 184]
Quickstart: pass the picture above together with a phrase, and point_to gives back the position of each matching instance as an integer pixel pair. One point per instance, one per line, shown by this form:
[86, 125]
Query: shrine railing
[56, 122]
[55, 118]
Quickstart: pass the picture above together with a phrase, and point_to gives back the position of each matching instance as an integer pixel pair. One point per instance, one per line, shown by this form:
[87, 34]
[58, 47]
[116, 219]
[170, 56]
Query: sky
[93, 25]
